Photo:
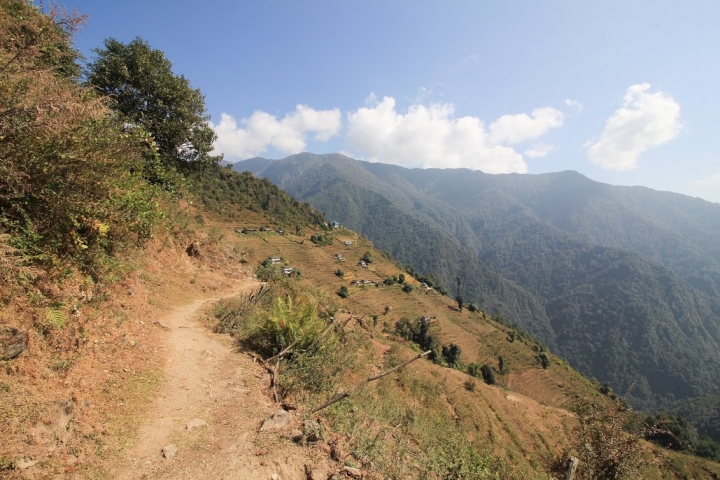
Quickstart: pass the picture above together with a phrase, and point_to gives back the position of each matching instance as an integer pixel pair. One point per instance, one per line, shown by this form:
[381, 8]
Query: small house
[338, 257]
[348, 242]
[276, 260]
[287, 270]
[335, 224]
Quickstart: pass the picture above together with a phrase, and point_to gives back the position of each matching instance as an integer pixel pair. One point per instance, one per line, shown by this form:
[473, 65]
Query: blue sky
[625, 92]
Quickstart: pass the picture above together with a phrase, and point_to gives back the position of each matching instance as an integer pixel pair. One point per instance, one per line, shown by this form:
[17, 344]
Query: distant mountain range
[622, 281]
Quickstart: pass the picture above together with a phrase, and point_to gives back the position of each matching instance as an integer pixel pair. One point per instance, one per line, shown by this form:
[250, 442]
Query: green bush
[268, 271]
[322, 239]
[290, 320]
[488, 375]
[474, 370]
[543, 359]
[451, 354]
[343, 292]
[408, 288]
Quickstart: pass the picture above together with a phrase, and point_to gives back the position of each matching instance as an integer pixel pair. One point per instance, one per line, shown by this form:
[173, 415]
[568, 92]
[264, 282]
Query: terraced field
[520, 421]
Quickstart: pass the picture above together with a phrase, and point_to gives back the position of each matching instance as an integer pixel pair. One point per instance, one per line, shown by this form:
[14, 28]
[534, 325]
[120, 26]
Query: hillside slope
[520, 422]
[600, 273]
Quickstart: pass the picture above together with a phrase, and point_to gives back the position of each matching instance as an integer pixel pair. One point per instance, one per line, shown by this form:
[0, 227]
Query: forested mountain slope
[623, 281]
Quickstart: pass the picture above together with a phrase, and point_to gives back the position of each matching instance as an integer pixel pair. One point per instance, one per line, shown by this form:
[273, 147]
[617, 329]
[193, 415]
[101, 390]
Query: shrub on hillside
[322, 239]
[268, 271]
[488, 375]
[291, 320]
[606, 449]
[343, 292]
[543, 359]
[70, 190]
[451, 354]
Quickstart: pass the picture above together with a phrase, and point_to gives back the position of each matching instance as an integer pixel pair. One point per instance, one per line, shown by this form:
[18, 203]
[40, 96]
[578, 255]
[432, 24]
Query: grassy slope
[520, 423]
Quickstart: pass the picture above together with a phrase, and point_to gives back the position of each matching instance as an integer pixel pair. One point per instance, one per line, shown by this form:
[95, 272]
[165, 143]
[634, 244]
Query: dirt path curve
[210, 407]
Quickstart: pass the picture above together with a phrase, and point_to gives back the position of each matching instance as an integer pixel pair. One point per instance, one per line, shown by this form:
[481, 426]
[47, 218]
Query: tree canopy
[145, 92]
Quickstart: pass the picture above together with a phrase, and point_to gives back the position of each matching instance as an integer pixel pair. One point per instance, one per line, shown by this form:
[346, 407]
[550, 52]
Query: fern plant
[291, 320]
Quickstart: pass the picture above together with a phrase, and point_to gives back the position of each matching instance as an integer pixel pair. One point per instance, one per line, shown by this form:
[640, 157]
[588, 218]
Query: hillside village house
[335, 224]
[348, 242]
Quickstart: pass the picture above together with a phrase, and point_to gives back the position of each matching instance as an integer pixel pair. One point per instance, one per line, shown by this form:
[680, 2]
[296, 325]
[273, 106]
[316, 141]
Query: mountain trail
[207, 413]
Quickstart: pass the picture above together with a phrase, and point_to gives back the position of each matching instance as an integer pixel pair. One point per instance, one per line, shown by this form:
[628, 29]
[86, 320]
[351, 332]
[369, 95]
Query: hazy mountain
[623, 281]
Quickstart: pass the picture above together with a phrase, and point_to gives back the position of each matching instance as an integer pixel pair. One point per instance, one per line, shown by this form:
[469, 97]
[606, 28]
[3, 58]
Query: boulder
[353, 472]
[169, 450]
[296, 436]
[196, 423]
[312, 430]
[12, 342]
[276, 421]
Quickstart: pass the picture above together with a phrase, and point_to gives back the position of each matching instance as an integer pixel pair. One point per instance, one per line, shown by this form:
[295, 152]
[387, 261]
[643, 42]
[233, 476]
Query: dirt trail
[208, 381]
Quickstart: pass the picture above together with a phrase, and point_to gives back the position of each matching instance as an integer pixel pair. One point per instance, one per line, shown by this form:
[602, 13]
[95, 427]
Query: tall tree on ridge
[145, 92]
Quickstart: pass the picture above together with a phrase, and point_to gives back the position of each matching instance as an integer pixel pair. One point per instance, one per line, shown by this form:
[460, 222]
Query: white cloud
[645, 120]
[262, 130]
[511, 129]
[430, 136]
[538, 150]
[574, 104]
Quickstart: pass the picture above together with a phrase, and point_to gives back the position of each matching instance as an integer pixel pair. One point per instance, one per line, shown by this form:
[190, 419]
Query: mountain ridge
[528, 245]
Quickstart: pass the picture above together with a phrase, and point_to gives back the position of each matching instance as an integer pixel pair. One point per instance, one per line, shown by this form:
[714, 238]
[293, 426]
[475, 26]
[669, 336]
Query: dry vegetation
[92, 254]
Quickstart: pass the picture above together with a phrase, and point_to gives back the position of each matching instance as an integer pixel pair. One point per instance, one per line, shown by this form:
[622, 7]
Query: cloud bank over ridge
[422, 136]
[255, 134]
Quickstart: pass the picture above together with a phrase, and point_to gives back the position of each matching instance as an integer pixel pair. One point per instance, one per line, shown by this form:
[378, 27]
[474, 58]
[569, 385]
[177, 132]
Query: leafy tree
[488, 375]
[419, 332]
[408, 288]
[367, 257]
[451, 354]
[501, 365]
[401, 278]
[144, 91]
[543, 359]
[343, 292]
[406, 329]
[340, 273]
[474, 370]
